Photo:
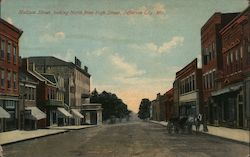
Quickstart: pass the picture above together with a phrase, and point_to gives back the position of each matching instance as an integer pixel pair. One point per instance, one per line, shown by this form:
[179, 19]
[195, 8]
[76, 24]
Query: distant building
[92, 113]
[9, 84]
[159, 108]
[169, 104]
[188, 83]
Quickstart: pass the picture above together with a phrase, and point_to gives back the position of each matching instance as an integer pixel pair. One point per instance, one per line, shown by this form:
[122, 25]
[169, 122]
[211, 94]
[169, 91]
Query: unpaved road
[134, 139]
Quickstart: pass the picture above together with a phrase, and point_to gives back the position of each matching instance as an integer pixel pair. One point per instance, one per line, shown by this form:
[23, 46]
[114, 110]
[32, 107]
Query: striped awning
[36, 114]
[76, 113]
[64, 112]
[3, 113]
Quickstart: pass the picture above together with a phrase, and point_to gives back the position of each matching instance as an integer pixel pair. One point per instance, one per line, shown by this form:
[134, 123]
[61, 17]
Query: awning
[64, 112]
[36, 114]
[77, 113]
[3, 113]
[227, 90]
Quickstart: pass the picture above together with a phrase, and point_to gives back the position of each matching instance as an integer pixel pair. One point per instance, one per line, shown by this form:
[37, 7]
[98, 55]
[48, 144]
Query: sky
[132, 48]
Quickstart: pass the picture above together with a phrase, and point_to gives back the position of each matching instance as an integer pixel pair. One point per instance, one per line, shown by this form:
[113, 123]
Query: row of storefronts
[40, 92]
[220, 89]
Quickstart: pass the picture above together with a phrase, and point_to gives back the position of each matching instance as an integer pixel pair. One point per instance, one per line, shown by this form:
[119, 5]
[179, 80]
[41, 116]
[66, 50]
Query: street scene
[116, 78]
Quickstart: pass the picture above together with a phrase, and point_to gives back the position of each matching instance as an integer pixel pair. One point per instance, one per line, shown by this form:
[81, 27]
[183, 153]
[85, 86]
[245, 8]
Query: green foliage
[144, 109]
[111, 104]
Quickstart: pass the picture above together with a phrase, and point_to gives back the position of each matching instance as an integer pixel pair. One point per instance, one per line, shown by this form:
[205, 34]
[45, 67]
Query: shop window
[240, 98]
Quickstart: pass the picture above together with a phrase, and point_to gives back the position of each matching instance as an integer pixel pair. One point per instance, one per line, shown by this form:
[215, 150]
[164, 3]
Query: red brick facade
[9, 84]
[189, 79]
[9, 58]
[225, 66]
[169, 104]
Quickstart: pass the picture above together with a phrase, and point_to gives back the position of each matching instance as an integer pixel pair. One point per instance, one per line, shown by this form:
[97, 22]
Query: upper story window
[227, 55]
[187, 84]
[241, 52]
[231, 57]
[15, 80]
[14, 55]
[9, 79]
[248, 52]
[237, 55]
[2, 78]
[214, 49]
[9, 52]
[2, 49]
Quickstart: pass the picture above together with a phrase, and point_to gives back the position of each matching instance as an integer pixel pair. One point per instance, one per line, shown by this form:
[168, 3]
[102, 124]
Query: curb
[227, 139]
[206, 133]
[73, 128]
[32, 138]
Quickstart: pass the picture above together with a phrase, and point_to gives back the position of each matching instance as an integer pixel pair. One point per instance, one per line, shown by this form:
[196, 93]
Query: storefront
[187, 109]
[32, 116]
[63, 116]
[77, 116]
[3, 115]
[10, 106]
[227, 109]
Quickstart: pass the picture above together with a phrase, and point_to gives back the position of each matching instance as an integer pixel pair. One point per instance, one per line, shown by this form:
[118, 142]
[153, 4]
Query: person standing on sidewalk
[1, 151]
[198, 120]
[205, 129]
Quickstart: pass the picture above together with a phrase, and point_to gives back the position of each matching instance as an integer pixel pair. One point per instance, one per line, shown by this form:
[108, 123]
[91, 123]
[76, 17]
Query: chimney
[86, 68]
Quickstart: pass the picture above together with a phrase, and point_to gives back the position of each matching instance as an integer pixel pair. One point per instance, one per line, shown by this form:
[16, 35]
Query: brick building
[212, 61]
[30, 114]
[158, 108]
[76, 83]
[47, 96]
[9, 84]
[188, 83]
[169, 104]
[231, 100]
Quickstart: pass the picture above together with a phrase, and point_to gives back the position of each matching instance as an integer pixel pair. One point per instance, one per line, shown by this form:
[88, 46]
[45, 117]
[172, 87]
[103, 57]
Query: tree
[111, 104]
[144, 109]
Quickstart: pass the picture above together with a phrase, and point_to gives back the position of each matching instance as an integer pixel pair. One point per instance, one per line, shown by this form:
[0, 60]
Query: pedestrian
[198, 121]
[1, 151]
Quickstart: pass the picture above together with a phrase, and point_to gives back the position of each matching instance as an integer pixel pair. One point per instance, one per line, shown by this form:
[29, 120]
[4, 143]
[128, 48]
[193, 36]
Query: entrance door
[240, 113]
[93, 117]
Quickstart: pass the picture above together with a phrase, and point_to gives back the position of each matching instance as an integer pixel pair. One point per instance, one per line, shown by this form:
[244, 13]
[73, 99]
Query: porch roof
[227, 89]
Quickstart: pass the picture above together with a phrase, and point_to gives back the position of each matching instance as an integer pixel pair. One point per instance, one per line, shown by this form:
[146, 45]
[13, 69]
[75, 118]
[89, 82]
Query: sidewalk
[20, 135]
[239, 135]
[72, 127]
